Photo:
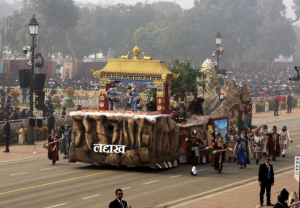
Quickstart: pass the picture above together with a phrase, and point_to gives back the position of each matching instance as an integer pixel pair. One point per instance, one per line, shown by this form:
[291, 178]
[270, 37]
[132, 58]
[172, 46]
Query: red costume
[274, 144]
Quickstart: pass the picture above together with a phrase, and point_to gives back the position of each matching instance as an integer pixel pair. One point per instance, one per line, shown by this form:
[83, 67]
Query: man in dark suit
[6, 133]
[276, 106]
[118, 202]
[266, 180]
[289, 103]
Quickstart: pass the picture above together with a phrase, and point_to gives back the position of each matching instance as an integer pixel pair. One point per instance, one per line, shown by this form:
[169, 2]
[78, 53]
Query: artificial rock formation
[216, 84]
[148, 139]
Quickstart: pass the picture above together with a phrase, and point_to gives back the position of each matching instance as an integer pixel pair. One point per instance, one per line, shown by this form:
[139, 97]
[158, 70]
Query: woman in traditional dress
[285, 139]
[220, 155]
[230, 140]
[258, 142]
[242, 151]
[53, 146]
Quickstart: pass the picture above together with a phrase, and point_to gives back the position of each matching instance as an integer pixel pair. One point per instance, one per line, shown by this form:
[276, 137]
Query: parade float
[124, 138]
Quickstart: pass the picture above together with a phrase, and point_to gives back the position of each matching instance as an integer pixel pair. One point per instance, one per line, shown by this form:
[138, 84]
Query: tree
[167, 7]
[187, 80]
[60, 15]
[6, 9]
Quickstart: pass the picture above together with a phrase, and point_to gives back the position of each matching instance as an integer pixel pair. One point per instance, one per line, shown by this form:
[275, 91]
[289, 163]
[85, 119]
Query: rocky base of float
[148, 139]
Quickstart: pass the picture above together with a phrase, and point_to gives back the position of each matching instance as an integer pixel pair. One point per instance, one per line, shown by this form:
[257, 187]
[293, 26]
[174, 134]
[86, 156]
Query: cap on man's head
[113, 85]
[274, 128]
[129, 87]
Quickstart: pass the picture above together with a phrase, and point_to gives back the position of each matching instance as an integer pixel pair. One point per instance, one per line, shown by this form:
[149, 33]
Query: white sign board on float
[296, 168]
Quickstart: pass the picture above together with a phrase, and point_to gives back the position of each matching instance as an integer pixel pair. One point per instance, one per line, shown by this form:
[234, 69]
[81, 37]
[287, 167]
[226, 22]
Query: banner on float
[67, 70]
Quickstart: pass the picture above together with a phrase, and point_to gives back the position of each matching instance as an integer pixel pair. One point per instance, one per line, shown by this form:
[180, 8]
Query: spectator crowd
[263, 83]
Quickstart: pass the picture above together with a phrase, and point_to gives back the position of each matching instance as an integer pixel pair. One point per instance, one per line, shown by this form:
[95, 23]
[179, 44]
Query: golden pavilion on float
[137, 70]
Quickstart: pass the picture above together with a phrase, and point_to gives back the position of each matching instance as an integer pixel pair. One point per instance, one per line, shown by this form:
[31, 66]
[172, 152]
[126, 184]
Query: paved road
[36, 183]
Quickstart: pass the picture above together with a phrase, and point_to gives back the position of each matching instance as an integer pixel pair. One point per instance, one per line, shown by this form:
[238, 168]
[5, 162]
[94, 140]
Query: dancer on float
[112, 96]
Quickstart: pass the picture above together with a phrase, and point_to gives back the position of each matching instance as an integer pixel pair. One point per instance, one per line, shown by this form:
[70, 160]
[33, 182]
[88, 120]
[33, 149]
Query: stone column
[253, 108]
[267, 107]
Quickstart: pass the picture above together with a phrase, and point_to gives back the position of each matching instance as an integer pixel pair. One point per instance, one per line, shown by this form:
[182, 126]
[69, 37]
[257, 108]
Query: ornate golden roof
[135, 69]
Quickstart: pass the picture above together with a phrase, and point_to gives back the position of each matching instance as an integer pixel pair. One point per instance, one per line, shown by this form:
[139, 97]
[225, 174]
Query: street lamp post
[33, 31]
[218, 43]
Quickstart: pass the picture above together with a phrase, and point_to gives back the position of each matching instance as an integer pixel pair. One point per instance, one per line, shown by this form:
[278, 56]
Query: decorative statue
[195, 106]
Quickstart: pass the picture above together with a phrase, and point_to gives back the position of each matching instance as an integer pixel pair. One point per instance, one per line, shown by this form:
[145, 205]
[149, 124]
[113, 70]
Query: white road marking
[125, 188]
[18, 173]
[290, 148]
[48, 168]
[57, 205]
[88, 197]
[216, 191]
[151, 182]
[21, 160]
[298, 146]
[175, 176]
[201, 170]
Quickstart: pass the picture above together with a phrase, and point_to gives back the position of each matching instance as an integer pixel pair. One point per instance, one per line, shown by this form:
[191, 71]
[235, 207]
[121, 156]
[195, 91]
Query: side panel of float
[124, 139]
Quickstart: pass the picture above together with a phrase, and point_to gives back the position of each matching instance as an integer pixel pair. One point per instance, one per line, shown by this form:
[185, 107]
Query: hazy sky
[186, 4]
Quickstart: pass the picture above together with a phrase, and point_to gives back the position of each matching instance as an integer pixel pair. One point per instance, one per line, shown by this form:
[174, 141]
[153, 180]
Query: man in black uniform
[194, 151]
[6, 133]
[289, 103]
[266, 180]
[276, 106]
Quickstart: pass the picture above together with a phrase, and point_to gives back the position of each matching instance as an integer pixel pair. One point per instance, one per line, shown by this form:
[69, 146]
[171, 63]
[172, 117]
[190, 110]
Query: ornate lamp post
[218, 43]
[33, 31]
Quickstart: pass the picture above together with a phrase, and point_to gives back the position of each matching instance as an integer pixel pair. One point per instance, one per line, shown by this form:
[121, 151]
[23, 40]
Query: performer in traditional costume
[194, 151]
[231, 137]
[258, 143]
[250, 137]
[273, 144]
[264, 134]
[213, 142]
[53, 146]
[285, 139]
[112, 96]
[242, 151]
[66, 141]
[220, 147]
[134, 98]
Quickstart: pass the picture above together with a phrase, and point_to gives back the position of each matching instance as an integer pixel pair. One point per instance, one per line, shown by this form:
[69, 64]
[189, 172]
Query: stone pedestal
[267, 107]
[253, 108]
